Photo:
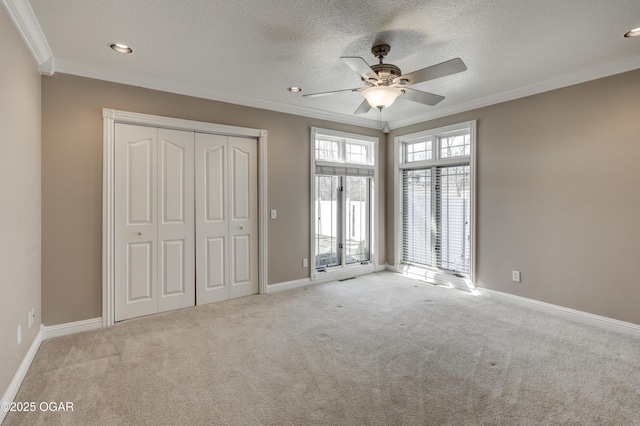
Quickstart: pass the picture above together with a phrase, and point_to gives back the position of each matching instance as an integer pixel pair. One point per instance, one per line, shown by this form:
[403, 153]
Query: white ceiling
[249, 52]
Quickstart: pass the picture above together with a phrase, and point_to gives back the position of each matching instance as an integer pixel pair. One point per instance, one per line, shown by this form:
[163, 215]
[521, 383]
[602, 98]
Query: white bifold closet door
[154, 220]
[226, 185]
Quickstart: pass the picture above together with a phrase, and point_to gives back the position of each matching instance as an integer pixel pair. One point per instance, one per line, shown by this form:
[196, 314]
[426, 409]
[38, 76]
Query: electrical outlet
[305, 263]
[515, 276]
[32, 316]
[19, 334]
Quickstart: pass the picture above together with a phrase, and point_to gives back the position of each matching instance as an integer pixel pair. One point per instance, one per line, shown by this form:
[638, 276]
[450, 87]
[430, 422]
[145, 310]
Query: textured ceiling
[249, 52]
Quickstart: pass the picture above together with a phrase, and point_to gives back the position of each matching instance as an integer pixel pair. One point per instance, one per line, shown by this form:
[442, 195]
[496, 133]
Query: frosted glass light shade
[381, 96]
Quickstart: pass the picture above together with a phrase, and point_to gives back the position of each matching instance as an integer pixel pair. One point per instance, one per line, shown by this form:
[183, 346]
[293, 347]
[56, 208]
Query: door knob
[140, 233]
[241, 228]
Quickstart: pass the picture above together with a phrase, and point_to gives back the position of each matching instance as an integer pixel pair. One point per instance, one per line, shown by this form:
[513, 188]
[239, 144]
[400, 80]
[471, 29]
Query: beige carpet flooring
[376, 350]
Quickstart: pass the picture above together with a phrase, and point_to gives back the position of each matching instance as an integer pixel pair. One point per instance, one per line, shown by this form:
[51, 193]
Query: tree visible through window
[327, 150]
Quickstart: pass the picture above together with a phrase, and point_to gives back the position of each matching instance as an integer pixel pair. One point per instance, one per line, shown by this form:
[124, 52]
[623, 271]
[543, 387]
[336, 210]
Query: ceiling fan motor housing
[386, 72]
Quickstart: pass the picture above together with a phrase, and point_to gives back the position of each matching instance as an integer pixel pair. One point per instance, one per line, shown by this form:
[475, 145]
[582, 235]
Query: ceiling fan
[385, 82]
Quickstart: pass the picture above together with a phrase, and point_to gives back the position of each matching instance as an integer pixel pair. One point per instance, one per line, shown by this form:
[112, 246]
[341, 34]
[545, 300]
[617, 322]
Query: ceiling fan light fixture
[633, 33]
[381, 96]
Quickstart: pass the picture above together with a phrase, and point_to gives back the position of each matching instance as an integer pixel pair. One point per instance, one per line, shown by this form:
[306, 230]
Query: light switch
[274, 214]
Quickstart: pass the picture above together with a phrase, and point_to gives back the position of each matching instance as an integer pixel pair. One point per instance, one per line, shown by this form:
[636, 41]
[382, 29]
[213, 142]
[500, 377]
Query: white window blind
[452, 209]
[435, 217]
[417, 217]
[344, 170]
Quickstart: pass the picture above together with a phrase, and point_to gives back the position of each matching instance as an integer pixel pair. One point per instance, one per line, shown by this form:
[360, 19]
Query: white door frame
[109, 118]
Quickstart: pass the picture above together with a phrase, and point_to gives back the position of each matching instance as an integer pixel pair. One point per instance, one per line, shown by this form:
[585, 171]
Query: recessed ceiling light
[120, 48]
[633, 33]
[295, 89]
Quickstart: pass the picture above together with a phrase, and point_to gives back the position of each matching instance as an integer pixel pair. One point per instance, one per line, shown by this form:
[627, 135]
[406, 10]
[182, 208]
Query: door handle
[140, 233]
[241, 228]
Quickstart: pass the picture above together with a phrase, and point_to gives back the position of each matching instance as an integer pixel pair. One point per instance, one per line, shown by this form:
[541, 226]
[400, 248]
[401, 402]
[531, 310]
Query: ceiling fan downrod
[380, 51]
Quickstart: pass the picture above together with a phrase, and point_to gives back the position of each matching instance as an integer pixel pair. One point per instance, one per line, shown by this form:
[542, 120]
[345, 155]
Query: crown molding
[628, 64]
[27, 24]
[25, 21]
[82, 70]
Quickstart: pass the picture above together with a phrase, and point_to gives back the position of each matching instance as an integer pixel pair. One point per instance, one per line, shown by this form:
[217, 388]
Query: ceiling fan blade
[314, 95]
[360, 66]
[363, 108]
[421, 97]
[435, 71]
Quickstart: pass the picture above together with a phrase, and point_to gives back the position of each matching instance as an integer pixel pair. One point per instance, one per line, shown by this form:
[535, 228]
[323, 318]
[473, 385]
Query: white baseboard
[606, 323]
[14, 386]
[72, 327]
[288, 285]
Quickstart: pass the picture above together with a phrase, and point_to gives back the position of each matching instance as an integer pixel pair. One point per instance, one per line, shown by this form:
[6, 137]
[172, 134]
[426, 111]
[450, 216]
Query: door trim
[109, 118]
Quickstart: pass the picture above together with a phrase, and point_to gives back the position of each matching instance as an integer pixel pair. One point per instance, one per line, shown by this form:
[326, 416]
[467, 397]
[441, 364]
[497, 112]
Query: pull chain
[379, 116]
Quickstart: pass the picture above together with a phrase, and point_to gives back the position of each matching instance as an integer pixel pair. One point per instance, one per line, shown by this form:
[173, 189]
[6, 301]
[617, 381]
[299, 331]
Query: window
[435, 207]
[455, 145]
[327, 149]
[357, 201]
[357, 153]
[416, 151]
[343, 181]
[327, 241]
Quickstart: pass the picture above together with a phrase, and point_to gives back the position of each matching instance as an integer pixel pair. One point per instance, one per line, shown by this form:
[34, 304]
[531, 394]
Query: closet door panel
[139, 281]
[215, 264]
[174, 280]
[212, 205]
[241, 249]
[135, 221]
[243, 221]
[176, 269]
[139, 182]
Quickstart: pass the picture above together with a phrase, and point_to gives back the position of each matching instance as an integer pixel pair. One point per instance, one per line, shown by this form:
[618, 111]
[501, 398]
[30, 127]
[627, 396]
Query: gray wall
[72, 183]
[557, 189]
[19, 198]
[558, 192]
